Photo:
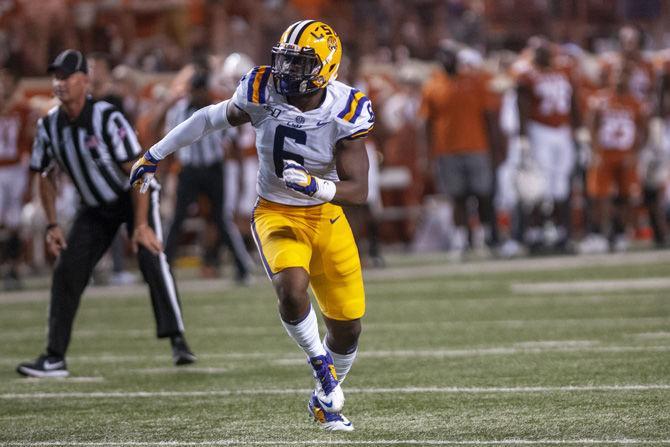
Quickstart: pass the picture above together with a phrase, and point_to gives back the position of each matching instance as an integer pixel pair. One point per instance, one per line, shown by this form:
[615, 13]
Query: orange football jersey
[551, 95]
[455, 107]
[619, 115]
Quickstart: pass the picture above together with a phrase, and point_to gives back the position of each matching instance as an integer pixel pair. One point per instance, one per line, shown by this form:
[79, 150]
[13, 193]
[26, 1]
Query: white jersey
[283, 132]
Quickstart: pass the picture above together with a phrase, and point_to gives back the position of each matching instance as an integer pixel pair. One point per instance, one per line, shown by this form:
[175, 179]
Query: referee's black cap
[69, 62]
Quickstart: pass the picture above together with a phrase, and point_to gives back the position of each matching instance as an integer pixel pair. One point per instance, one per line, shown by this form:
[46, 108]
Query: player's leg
[162, 289]
[187, 190]
[228, 231]
[454, 180]
[284, 236]
[480, 183]
[627, 186]
[541, 147]
[90, 236]
[564, 165]
[337, 283]
[599, 180]
[12, 182]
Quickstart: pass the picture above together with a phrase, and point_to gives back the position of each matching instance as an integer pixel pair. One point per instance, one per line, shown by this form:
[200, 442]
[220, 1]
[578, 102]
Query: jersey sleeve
[356, 119]
[41, 155]
[252, 92]
[124, 144]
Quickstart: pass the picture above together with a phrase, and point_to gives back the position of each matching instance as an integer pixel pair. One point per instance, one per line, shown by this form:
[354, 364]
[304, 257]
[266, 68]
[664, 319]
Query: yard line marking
[189, 370]
[399, 273]
[651, 335]
[38, 331]
[592, 285]
[622, 441]
[43, 380]
[281, 358]
[299, 391]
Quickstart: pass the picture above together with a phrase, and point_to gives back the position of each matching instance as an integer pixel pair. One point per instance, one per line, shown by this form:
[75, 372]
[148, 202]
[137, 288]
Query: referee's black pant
[91, 234]
[209, 181]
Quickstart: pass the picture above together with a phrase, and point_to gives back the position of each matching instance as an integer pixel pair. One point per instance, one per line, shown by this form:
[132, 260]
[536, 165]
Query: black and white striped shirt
[90, 149]
[203, 153]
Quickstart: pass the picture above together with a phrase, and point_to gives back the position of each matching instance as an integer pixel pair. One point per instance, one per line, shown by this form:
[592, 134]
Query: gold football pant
[319, 240]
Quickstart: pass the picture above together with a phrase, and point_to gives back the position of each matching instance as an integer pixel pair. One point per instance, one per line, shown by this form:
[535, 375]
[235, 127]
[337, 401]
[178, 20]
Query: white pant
[12, 185]
[554, 153]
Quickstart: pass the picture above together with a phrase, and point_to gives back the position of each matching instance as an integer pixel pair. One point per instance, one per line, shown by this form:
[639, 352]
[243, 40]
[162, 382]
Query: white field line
[292, 358]
[440, 269]
[43, 380]
[38, 332]
[231, 442]
[608, 285]
[189, 370]
[301, 391]
[651, 335]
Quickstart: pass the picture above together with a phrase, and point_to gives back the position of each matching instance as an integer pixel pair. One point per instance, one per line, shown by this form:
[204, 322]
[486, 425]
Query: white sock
[306, 334]
[342, 362]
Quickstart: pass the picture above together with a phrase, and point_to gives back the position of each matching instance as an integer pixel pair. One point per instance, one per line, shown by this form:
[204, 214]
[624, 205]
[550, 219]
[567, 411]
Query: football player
[548, 116]
[617, 129]
[15, 135]
[311, 158]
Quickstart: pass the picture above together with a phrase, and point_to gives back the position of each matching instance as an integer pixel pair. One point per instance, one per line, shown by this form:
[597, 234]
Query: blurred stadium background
[566, 345]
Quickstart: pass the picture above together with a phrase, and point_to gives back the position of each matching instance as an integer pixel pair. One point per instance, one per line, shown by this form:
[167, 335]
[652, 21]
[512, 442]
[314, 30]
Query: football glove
[297, 178]
[143, 172]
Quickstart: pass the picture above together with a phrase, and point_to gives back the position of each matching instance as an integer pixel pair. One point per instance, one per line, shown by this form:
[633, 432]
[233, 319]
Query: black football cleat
[181, 353]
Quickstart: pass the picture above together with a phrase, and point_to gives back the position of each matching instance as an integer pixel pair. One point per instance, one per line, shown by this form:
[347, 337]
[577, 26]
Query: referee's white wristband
[325, 190]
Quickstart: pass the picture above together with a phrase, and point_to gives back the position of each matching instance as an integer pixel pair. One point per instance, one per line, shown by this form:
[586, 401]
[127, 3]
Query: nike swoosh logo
[321, 124]
[332, 221]
[50, 366]
[326, 404]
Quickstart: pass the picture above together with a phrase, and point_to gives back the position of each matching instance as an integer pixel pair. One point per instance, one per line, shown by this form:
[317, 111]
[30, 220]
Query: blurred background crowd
[503, 128]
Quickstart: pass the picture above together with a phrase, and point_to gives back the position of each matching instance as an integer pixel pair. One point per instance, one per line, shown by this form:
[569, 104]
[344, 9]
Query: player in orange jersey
[548, 116]
[617, 124]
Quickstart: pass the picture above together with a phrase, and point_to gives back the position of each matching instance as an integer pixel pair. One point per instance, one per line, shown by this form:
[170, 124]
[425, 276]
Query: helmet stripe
[289, 30]
[297, 32]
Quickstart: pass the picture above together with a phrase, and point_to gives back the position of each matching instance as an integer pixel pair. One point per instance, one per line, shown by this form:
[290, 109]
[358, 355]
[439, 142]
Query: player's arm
[641, 131]
[219, 116]
[42, 163]
[352, 168]
[575, 114]
[55, 238]
[352, 164]
[524, 103]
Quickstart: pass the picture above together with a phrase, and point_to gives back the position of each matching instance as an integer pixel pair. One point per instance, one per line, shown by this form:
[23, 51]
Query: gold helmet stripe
[294, 36]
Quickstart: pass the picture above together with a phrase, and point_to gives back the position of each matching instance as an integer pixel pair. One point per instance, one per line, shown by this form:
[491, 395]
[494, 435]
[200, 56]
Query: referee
[202, 173]
[94, 145]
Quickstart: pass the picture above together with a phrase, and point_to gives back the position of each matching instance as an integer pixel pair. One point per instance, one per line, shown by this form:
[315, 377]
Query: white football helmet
[234, 67]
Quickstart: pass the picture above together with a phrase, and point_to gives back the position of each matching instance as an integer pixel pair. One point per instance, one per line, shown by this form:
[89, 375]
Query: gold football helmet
[306, 58]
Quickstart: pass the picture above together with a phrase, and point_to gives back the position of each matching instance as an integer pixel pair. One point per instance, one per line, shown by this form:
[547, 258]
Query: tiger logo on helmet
[306, 58]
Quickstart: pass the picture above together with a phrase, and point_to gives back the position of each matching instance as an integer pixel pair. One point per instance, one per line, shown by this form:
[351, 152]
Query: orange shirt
[455, 108]
[15, 135]
[619, 117]
[551, 95]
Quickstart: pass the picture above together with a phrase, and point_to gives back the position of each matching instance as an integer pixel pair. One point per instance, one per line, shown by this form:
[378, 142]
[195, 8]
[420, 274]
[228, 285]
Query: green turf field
[538, 352]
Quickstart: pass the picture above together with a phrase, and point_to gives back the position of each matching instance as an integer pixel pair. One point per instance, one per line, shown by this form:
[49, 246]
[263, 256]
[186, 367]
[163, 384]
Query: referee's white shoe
[44, 366]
